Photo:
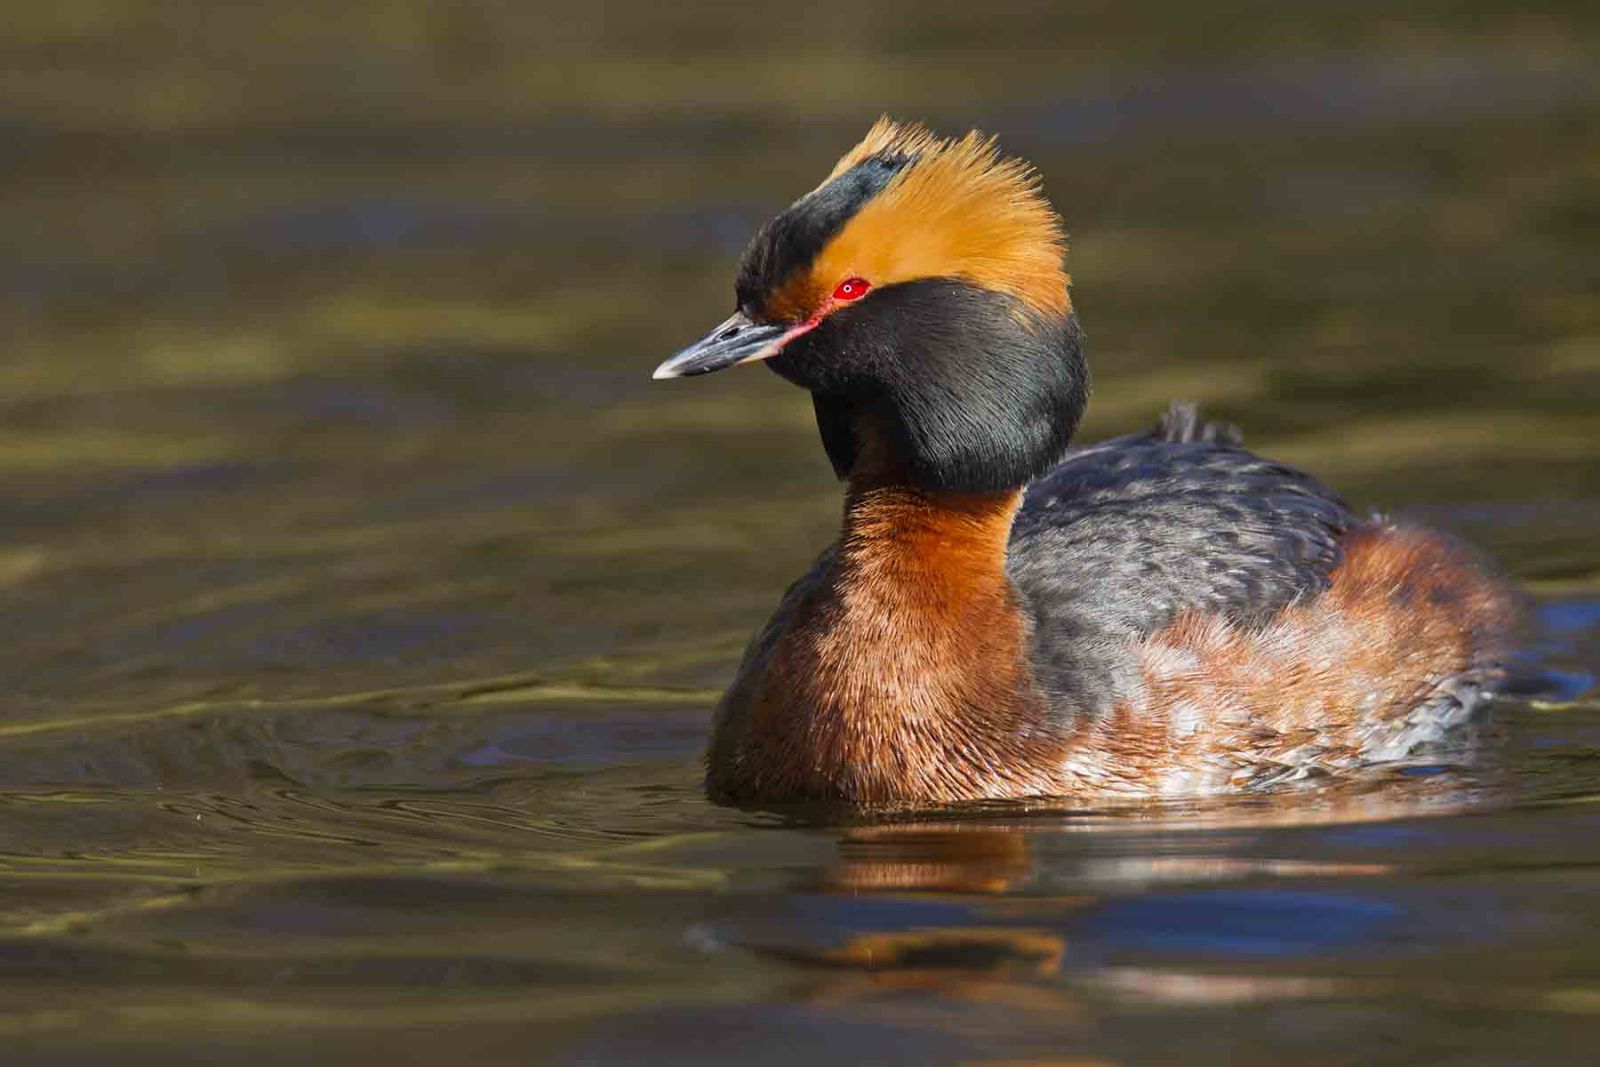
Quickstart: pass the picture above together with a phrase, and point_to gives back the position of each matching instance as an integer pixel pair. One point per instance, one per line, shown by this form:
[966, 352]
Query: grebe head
[920, 294]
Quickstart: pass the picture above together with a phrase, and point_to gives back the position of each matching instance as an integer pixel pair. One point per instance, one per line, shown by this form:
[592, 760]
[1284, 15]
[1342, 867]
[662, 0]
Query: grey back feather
[1120, 537]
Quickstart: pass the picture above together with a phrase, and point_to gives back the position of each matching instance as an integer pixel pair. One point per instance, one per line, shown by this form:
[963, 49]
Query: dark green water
[363, 602]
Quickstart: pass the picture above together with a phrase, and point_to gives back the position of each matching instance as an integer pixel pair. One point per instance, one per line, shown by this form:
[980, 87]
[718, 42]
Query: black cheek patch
[967, 391]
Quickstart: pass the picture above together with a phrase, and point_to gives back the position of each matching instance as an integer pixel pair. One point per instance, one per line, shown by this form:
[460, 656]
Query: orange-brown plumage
[1325, 685]
[963, 211]
[906, 671]
[901, 674]
[1169, 615]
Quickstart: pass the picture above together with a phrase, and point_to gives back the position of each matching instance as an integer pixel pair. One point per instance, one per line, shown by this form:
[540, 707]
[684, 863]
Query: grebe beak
[733, 341]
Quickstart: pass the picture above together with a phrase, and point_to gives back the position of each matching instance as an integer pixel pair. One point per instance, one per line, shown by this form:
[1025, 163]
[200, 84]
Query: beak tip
[734, 341]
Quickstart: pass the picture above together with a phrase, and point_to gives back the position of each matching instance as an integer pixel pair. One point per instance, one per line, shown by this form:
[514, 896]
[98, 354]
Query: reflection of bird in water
[1016, 953]
[933, 860]
[989, 963]
[930, 858]
[1163, 614]
[994, 857]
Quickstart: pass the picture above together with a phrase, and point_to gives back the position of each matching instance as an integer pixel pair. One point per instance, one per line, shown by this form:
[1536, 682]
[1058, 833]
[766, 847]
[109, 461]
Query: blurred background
[362, 601]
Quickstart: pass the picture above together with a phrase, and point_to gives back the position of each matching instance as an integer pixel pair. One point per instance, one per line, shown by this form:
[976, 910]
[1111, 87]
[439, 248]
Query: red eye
[851, 289]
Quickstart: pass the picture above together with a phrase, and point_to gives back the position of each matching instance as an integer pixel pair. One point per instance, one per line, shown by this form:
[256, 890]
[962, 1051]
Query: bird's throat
[906, 665]
[925, 553]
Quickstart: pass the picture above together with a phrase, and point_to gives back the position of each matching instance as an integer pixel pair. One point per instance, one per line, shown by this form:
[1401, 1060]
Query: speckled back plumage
[1123, 536]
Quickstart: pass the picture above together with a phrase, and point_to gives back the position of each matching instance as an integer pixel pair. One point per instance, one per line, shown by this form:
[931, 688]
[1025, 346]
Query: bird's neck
[933, 549]
[908, 671]
[928, 553]
[901, 670]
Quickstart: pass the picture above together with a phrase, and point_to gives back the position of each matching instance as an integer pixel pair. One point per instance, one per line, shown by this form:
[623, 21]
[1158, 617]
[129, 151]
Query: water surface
[363, 603]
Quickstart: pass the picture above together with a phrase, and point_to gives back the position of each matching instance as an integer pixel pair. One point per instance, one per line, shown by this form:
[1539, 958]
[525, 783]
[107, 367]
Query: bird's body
[1157, 615]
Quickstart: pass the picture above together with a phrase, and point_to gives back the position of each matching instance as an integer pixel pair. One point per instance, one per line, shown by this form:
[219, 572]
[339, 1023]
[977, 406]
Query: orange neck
[930, 552]
[930, 545]
[903, 671]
